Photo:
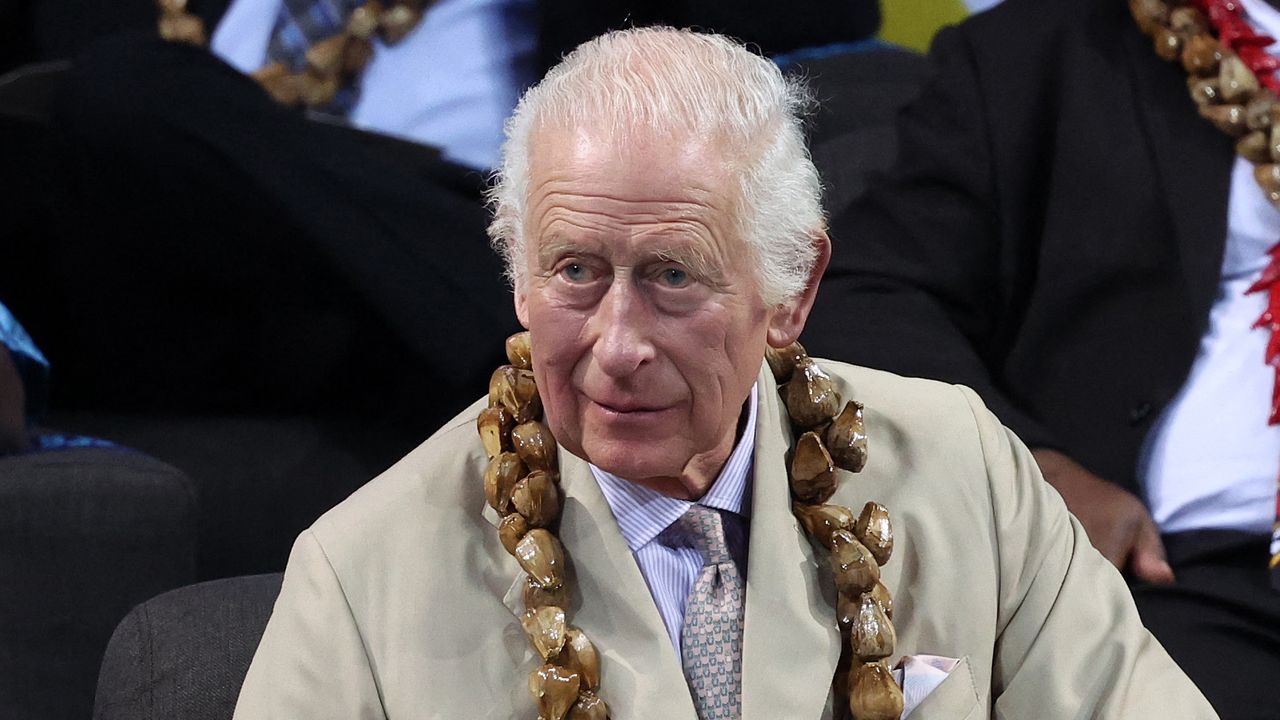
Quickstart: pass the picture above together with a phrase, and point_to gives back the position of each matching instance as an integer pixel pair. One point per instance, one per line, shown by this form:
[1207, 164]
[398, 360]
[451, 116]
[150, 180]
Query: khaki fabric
[400, 602]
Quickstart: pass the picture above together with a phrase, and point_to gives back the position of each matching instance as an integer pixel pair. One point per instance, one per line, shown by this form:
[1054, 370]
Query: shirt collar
[643, 513]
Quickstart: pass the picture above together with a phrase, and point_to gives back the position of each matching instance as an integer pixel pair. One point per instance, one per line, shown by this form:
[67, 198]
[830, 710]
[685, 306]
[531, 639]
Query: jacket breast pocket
[955, 698]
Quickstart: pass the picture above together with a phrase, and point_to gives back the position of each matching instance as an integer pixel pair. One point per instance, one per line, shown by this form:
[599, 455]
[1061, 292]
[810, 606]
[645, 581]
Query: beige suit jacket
[401, 602]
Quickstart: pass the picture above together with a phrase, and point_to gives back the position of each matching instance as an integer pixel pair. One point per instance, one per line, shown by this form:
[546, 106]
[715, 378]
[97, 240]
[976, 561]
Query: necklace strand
[521, 483]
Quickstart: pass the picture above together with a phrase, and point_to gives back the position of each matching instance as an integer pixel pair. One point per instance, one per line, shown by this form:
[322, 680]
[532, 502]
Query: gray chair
[85, 534]
[183, 655]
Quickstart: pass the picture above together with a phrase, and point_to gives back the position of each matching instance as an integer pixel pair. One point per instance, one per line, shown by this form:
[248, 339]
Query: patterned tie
[711, 641]
[303, 23]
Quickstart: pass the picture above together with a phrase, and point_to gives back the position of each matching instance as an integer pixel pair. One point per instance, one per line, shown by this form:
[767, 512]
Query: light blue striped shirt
[643, 514]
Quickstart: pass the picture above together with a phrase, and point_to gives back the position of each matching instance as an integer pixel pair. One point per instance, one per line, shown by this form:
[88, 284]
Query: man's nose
[624, 324]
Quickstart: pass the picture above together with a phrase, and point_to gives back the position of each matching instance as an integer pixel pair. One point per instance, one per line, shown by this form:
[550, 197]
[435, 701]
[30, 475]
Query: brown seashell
[822, 520]
[515, 390]
[782, 361]
[555, 689]
[813, 475]
[541, 555]
[810, 396]
[1236, 82]
[536, 498]
[283, 86]
[500, 475]
[1201, 55]
[1167, 44]
[494, 424]
[1149, 14]
[510, 529]
[1273, 144]
[536, 596]
[1203, 90]
[397, 21]
[875, 531]
[357, 54]
[1258, 113]
[852, 564]
[873, 694]
[170, 7]
[535, 445]
[1188, 21]
[325, 57]
[363, 21]
[1268, 176]
[880, 594]
[520, 351]
[1227, 118]
[315, 91]
[580, 656]
[847, 438]
[873, 636]
[182, 27]
[847, 611]
[589, 707]
[1255, 147]
[545, 627]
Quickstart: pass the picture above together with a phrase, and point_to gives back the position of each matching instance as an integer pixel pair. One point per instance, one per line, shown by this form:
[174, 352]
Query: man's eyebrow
[694, 259]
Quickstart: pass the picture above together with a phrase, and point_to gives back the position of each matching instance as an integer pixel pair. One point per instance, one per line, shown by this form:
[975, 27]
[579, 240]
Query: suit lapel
[790, 642]
[1193, 162]
[641, 675]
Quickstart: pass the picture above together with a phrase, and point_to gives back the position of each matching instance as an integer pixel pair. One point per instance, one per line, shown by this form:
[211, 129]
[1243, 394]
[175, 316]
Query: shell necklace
[521, 483]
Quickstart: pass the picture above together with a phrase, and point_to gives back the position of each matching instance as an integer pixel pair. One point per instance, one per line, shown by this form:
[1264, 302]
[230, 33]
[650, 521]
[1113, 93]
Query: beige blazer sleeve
[312, 661]
[1069, 640]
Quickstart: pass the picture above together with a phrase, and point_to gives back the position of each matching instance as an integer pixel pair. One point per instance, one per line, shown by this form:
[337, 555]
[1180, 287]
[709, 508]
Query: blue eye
[575, 272]
[674, 277]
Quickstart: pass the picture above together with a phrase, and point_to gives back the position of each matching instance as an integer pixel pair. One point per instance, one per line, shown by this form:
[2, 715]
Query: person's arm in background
[926, 279]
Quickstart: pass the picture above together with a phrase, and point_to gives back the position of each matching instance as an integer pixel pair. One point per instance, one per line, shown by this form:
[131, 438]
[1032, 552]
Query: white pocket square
[919, 675]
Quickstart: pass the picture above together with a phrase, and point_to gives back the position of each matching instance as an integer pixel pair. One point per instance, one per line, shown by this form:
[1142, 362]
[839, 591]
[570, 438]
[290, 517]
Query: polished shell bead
[183, 28]
[1236, 82]
[1188, 21]
[316, 90]
[1255, 146]
[541, 555]
[1167, 44]
[1258, 113]
[536, 497]
[810, 396]
[520, 351]
[1273, 145]
[283, 86]
[1227, 118]
[536, 596]
[510, 529]
[397, 21]
[1201, 55]
[813, 474]
[357, 54]
[494, 424]
[589, 707]
[873, 693]
[1203, 90]
[580, 656]
[847, 438]
[852, 564]
[1268, 177]
[515, 390]
[325, 57]
[821, 521]
[535, 445]
[873, 636]
[875, 531]
[782, 362]
[1149, 14]
[555, 689]
[545, 628]
[500, 475]
[880, 594]
[363, 21]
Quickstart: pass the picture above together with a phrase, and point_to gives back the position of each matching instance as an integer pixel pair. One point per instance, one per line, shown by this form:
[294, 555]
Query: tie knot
[703, 527]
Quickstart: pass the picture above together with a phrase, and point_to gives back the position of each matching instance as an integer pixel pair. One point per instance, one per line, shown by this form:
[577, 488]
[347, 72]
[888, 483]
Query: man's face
[647, 322]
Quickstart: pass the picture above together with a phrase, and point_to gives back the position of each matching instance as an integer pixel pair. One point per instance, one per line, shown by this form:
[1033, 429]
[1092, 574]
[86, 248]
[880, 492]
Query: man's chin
[633, 459]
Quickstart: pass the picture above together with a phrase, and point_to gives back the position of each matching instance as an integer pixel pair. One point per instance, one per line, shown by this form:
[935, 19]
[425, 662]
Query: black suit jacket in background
[1051, 235]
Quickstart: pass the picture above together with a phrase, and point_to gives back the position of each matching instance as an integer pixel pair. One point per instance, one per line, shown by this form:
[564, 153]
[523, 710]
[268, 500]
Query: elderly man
[686, 552]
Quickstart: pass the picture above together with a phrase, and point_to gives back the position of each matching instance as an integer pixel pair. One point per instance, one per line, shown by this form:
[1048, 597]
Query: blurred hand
[1118, 524]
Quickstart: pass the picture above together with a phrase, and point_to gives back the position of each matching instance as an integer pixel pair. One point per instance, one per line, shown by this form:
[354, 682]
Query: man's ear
[522, 302]
[789, 318]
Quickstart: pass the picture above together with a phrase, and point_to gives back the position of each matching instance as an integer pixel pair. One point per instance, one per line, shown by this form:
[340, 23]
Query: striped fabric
[643, 514]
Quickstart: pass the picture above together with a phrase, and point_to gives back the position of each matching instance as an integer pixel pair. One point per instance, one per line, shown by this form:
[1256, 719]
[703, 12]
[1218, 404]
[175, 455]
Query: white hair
[686, 84]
